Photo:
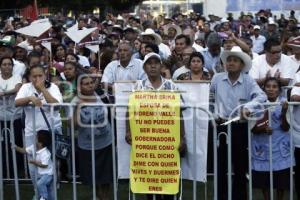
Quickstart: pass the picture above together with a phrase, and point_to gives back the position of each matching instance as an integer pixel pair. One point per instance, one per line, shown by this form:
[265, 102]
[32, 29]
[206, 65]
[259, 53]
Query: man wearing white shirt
[273, 63]
[295, 45]
[295, 96]
[126, 68]
[258, 40]
[151, 37]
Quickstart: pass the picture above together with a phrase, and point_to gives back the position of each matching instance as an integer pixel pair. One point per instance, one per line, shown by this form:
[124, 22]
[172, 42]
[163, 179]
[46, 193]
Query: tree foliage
[8, 4]
[80, 5]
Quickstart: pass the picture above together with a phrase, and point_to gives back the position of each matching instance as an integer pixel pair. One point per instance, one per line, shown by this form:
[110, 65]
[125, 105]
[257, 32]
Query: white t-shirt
[297, 75]
[296, 122]
[294, 59]
[7, 110]
[296, 78]
[19, 68]
[84, 61]
[254, 55]
[28, 90]
[198, 47]
[164, 50]
[115, 72]
[44, 156]
[10, 83]
[258, 43]
[286, 66]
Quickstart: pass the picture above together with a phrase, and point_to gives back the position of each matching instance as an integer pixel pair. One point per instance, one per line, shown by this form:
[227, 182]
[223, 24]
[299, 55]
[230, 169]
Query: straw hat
[150, 32]
[177, 28]
[237, 52]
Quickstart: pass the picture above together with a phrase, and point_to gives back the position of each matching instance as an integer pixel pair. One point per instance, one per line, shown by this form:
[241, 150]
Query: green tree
[8, 4]
[71, 4]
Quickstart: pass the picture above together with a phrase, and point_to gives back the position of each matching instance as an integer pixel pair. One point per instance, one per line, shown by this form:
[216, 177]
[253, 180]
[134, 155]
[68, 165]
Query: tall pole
[187, 5]
[205, 7]
[36, 8]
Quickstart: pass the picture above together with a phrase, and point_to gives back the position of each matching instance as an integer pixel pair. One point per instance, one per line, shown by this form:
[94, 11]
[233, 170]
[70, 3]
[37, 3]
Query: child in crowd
[42, 162]
[278, 130]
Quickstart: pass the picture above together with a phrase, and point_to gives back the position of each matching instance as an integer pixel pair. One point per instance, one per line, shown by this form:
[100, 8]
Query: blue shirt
[229, 96]
[210, 62]
[281, 155]
[100, 124]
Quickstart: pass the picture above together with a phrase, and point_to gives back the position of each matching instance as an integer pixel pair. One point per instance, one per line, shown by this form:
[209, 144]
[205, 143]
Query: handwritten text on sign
[155, 129]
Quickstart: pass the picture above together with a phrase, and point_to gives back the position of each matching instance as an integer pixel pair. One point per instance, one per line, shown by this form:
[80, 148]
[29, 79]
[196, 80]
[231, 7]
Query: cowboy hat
[236, 51]
[177, 28]
[150, 32]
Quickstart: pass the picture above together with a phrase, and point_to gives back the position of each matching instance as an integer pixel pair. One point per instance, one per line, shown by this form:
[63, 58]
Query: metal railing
[112, 108]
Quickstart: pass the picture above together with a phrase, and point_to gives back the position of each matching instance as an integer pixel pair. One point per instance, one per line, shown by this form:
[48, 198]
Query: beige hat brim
[177, 28]
[243, 56]
[157, 37]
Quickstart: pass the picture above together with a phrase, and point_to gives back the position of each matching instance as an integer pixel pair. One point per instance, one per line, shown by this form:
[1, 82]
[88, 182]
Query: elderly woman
[9, 86]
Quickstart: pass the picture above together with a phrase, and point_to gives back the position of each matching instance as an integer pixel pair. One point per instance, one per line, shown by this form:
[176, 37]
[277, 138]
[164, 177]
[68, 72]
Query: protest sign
[155, 132]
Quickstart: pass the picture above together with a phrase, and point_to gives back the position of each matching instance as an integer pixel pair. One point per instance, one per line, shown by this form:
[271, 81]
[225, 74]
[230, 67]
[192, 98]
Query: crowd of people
[248, 60]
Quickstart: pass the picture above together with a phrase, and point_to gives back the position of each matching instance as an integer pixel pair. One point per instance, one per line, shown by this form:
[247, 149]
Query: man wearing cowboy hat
[172, 30]
[150, 36]
[231, 89]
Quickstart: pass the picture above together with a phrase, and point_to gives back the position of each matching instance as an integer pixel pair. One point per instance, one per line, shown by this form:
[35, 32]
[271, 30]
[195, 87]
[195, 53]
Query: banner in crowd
[193, 165]
[155, 132]
[256, 5]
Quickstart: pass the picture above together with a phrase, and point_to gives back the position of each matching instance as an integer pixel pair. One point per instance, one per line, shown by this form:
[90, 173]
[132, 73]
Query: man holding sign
[156, 133]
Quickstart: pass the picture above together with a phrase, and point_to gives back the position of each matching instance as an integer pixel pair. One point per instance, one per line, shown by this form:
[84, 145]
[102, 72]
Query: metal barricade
[112, 108]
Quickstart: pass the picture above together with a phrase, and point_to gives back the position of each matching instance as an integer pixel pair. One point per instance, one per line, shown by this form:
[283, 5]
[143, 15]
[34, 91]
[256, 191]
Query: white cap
[271, 21]
[151, 32]
[256, 27]
[151, 55]
[224, 20]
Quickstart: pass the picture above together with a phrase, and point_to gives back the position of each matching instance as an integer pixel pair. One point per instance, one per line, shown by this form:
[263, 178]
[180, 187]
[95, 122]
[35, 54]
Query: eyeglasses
[275, 52]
